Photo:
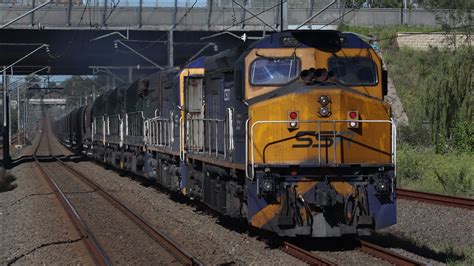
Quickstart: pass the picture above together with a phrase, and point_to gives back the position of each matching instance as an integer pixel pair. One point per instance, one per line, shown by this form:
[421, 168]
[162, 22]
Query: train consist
[290, 133]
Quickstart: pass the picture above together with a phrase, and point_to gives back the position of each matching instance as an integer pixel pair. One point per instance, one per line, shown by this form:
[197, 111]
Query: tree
[454, 17]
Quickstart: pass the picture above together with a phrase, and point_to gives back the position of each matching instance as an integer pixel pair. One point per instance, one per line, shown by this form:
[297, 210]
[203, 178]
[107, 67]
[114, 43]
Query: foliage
[436, 88]
[375, 3]
[78, 87]
[454, 17]
[423, 169]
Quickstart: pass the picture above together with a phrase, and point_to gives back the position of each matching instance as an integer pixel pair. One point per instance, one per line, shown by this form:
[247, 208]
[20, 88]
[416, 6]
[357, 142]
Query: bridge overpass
[141, 36]
[205, 15]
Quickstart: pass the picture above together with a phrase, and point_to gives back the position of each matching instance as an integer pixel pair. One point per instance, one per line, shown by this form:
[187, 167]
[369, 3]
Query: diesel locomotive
[291, 133]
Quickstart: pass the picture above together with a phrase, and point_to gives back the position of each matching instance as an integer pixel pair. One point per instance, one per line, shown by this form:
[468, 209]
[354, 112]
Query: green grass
[420, 168]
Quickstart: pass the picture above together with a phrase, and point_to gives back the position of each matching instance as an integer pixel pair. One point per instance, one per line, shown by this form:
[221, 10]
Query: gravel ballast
[34, 229]
[440, 233]
[201, 234]
[122, 240]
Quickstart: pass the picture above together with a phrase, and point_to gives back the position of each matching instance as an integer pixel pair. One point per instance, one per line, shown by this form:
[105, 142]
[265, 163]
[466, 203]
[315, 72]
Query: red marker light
[353, 115]
[293, 115]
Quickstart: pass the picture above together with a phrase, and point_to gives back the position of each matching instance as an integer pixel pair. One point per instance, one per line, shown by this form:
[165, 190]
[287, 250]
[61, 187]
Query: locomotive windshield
[274, 71]
[355, 71]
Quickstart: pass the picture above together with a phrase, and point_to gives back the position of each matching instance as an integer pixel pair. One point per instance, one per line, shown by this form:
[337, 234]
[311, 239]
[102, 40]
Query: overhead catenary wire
[159, 40]
[184, 16]
[253, 16]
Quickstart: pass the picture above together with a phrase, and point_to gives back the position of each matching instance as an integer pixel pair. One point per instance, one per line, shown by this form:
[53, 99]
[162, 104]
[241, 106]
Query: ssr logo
[323, 139]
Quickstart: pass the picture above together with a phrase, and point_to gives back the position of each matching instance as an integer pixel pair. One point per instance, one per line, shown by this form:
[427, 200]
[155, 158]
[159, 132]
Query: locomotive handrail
[209, 122]
[127, 125]
[181, 139]
[212, 124]
[94, 132]
[155, 133]
[252, 158]
[109, 117]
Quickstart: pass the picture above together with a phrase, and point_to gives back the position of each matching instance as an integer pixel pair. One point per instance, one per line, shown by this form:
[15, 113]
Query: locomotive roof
[197, 63]
[274, 40]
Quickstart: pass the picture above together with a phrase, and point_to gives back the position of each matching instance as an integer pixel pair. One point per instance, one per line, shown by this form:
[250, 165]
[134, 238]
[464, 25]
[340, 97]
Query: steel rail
[98, 254]
[172, 247]
[305, 255]
[451, 201]
[385, 254]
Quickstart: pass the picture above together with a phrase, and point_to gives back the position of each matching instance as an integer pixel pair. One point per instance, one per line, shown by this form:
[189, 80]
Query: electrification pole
[18, 104]
[6, 137]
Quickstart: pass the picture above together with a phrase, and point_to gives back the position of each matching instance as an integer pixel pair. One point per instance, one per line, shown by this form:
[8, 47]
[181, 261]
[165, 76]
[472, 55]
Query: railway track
[362, 246]
[385, 254]
[176, 250]
[305, 255]
[94, 247]
[451, 201]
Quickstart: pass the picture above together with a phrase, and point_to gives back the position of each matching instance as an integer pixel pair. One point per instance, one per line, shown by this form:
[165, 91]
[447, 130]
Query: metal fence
[171, 3]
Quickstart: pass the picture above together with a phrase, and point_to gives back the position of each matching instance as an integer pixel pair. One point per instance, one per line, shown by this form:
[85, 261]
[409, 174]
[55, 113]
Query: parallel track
[304, 255]
[98, 253]
[436, 198]
[385, 254]
[95, 249]
[172, 247]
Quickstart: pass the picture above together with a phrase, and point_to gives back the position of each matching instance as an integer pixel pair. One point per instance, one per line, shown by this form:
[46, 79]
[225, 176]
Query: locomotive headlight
[324, 100]
[382, 187]
[324, 111]
[267, 185]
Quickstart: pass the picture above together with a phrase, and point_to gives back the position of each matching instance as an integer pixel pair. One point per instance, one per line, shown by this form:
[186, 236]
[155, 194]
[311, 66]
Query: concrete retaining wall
[417, 40]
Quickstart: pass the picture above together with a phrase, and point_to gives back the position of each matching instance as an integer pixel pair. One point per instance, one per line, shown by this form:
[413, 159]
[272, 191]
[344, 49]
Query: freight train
[290, 133]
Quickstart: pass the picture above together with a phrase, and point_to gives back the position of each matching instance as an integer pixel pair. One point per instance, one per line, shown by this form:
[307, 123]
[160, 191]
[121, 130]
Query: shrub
[423, 169]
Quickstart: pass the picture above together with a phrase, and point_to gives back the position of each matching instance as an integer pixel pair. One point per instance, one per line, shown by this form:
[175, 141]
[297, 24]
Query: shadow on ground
[6, 181]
